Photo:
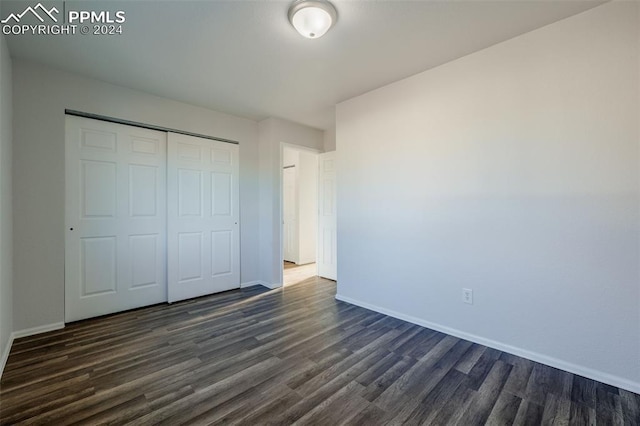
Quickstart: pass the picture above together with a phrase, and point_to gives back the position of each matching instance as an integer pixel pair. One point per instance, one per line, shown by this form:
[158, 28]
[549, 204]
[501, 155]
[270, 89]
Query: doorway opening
[299, 214]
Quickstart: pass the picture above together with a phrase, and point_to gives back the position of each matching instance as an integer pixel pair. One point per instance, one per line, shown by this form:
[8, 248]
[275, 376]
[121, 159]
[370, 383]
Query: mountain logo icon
[33, 11]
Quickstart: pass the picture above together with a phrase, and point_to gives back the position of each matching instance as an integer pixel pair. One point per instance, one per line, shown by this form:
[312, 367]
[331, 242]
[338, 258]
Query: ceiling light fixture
[312, 18]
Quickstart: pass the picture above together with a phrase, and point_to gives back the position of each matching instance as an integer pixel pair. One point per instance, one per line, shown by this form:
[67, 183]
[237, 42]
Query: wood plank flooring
[276, 357]
[294, 274]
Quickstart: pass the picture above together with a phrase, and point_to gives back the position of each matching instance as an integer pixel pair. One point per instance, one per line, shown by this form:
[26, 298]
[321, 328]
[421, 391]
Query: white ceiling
[244, 58]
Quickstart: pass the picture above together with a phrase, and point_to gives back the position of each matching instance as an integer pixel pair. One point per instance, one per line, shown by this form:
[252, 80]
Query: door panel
[98, 181]
[98, 265]
[203, 216]
[189, 256]
[115, 218]
[189, 193]
[327, 265]
[143, 192]
[145, 260]
[221, 194]
[221, 246]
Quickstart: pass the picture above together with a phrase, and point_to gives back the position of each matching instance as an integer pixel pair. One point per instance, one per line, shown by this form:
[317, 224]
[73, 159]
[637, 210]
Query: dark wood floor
[258, 356]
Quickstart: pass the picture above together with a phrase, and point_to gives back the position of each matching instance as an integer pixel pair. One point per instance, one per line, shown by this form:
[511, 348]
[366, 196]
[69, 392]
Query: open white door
[203, 217]
[115, 238]
[327, 262]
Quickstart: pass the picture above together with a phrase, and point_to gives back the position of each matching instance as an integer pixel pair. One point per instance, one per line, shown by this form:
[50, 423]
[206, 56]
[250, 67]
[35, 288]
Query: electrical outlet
[467, 296]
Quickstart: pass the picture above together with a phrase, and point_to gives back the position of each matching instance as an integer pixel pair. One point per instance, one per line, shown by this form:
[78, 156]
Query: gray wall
[40, 98]
[514, 172]
[330, 139]
[6, 223]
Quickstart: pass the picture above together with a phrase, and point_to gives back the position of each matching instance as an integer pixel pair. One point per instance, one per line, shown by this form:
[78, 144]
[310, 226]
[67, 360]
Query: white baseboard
[25, 333]
[600, 376]
[5, 354]
[270, 286]
[262, 283]
[37, 330]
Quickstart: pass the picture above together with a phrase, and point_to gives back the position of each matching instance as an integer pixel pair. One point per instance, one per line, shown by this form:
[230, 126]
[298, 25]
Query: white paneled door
[326, 253]
[115, 245]
[203, 217]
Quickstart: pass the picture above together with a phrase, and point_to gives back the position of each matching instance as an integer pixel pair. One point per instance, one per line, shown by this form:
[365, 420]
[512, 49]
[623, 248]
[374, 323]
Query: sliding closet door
[115, 243]
[203, 217]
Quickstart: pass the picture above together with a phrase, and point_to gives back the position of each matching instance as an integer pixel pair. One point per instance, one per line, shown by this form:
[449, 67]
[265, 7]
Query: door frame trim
[284, 145]
[144, 125]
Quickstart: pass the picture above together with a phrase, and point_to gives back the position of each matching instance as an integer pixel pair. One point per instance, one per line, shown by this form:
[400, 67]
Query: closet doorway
[150, 215]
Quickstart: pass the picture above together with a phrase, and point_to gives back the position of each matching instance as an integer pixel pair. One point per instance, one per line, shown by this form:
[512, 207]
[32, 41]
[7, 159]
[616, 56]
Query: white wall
[40, 97]
[273, 132]
[330, 140]
[6, 222]
[512, 171]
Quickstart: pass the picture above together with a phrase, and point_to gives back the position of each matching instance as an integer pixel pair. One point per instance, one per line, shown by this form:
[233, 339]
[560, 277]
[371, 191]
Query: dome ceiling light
[312, 18]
